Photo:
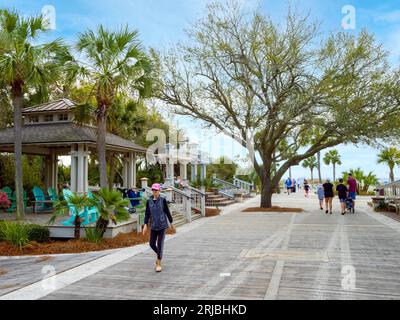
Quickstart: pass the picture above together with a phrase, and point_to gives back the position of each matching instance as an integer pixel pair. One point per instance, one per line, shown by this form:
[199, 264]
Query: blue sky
[162, 23]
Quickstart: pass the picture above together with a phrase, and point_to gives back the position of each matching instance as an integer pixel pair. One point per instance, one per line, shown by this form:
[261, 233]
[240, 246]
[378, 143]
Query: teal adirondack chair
[88, 214]
[13, 199]
[40, 196]
[52, 194]
[93, 210]
[8, 191]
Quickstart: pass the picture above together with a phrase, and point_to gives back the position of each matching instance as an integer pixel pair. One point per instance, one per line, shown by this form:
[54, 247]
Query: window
[48, 118]
[63, 117]
[33, 119]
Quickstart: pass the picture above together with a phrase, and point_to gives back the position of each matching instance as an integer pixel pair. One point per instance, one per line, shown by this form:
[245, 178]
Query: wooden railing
[227, 189]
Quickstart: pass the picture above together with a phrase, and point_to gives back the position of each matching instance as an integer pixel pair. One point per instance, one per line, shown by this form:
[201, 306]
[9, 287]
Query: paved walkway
[238, 255]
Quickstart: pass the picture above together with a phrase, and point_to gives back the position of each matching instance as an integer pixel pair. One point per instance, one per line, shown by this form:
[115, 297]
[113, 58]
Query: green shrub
[93, 235]
[15, 233]
[1, 229]
[39, 233]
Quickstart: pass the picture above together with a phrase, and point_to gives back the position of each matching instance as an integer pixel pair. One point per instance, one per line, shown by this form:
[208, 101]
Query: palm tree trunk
[391, 175]
[319, 167]
[17, 97]
[101, 145]
[312, 174]
[111, 162]
[334, 172]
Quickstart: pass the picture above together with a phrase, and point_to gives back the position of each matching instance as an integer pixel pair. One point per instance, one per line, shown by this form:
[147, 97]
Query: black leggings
[157, 242]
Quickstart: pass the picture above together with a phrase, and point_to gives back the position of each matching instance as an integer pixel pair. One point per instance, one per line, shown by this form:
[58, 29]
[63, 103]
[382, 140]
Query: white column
[74, 168]
[125, 172]
[193, 173]
[54, 171]
[170, 171]
[203, 172]
[132, 170]
[183, 171]
[79, 169]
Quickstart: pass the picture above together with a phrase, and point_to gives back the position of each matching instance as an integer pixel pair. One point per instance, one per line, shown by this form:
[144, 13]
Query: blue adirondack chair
[88, 216]
[52, 194]
[43, 202]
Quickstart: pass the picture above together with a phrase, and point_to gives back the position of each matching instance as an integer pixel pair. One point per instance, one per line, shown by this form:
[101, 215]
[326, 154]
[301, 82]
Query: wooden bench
[395, 203]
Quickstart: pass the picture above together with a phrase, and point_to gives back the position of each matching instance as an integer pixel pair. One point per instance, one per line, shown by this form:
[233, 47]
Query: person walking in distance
[288, 184]
[321, 196]
[158, 213]
[342, 193]
[306, 189]
[329, 195]
[352, 186]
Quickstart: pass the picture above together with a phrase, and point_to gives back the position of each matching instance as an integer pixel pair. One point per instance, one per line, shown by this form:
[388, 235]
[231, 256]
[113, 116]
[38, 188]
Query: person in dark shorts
[342, 193]
[306, 189]
[329, 195]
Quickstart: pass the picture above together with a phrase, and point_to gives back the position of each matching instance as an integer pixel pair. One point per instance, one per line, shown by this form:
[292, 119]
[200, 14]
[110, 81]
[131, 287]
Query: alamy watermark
[349, 20]
[49, 16]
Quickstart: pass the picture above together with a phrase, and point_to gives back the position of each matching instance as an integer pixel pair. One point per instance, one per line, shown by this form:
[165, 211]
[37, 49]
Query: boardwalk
[238, 255]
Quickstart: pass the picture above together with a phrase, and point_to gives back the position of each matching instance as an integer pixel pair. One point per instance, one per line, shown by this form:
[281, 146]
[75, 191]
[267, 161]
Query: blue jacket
[158, 212]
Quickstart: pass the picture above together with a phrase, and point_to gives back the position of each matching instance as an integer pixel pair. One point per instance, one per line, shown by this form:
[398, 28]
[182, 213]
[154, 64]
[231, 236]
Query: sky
[162, 23]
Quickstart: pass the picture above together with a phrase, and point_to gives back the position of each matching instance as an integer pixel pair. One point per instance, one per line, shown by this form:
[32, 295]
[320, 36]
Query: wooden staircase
[213, 199]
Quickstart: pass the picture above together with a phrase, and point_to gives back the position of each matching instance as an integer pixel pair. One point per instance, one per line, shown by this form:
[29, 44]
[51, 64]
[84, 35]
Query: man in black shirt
[343, 195]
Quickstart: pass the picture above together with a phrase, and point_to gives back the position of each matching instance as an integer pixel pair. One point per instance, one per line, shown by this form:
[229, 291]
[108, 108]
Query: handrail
[250, 184]
[196, 190]
[390, 184]
[225, 182]
[178, 191]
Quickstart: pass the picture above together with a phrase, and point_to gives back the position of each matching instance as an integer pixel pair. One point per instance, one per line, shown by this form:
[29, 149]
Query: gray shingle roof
[58, 105]
[63, 133]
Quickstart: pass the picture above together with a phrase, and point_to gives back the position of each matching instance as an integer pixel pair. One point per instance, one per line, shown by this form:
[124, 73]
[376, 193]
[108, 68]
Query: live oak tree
[269, 86]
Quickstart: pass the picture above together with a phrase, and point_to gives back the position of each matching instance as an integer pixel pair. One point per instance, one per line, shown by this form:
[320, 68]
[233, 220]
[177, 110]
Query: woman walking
[328, 193]
[158, 213]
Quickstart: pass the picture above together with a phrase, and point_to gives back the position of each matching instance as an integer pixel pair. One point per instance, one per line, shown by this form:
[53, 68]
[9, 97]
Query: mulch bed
[211, 212]
[74, 246]
[275, 209]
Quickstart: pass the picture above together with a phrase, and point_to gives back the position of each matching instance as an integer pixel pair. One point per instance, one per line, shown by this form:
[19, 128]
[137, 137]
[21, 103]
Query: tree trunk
[77, 230]
[391, 175]
[17, 97]
[266, 194]
[101, 146]
[312, 175]
[101, 225]
[319, 167]
[111, 163]
[334, 172]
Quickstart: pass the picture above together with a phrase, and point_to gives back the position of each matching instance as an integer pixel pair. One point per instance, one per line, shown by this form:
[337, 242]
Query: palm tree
[62, 208]
[390, 157]
[113, 61]
[25, 65]
[369, 180]
[111, 207]
[332, 157]
[310, 163]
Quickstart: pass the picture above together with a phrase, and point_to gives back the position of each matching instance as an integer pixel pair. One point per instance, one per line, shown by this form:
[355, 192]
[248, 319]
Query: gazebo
[50, 130]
